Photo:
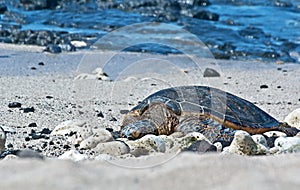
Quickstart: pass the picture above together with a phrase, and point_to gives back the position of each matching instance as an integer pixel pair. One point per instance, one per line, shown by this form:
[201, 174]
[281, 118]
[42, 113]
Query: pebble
[53, 49]
[211, 73]
[260, 139]
[73, 155]
[113, 148]
[2, 139]
[14, 105]
[201, 146]
[28, 110]
[293, 119]
[27, 153]
[99, 136]
[206, 15]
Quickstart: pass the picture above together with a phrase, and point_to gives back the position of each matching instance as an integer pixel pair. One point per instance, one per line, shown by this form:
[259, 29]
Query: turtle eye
[135, 134]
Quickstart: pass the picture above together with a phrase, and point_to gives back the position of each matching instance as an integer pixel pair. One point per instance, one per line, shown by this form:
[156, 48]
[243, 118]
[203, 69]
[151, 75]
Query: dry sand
[133, 80]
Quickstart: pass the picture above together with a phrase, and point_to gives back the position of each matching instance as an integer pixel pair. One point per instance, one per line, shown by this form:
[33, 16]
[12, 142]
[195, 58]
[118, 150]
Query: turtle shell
[232, 111]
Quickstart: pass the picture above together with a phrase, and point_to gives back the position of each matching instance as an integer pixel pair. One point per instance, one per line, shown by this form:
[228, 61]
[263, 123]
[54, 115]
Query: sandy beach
[49, 83]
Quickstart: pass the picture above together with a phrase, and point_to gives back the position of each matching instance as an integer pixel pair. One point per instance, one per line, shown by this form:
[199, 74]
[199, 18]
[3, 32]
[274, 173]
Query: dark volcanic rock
[211, 73]
[27, 110]
[14, 105]
[206, 15]
[53, 49]
[3, 8]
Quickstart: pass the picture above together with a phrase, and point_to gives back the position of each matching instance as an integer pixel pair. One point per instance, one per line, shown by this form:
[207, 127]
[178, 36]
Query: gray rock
[113, 148]
[2, 139]
[201, 146]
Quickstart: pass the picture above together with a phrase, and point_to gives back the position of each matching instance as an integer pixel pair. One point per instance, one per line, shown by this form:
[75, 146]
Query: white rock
[73, 155]
[11, 157]
[260, 139]
[99, 136]
[243, 144]
[146, 145]
[2, 139]
[190, 138]
[275, 134]
[78, 128]
[219, 146]
[78, 44]
[104, 157]
[288, 144]
[293, 119]
[113, 148]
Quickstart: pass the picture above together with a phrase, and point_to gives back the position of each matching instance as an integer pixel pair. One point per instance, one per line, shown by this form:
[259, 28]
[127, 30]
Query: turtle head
[138, 129]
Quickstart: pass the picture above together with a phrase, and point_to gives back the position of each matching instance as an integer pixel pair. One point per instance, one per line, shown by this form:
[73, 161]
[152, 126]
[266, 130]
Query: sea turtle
[214, 113]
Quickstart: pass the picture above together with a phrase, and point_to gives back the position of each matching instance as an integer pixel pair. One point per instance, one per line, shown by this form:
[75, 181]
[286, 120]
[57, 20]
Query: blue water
[267, 30]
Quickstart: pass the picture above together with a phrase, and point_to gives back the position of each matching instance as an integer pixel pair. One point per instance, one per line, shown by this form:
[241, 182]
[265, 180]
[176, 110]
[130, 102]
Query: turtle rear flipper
[288, 130]
[213, 130]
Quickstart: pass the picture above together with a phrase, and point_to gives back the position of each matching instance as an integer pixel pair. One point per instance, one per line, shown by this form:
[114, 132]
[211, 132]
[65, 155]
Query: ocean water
[267, 30]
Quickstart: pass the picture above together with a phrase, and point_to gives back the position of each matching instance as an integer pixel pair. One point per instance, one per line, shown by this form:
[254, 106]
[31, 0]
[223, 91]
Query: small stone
[3, 8]
[206, 15]
[264, 86]
[113, 148]
[33, 68]
[260, 139]
[124, 111]
[46, 131]
[32, 125]
[211, 73]
[97, 74]
[49, 97]
[201, 146]
[14, 105]
[27, 110]
[100, 114]
[53, 49]
[10, 157]
[219, 146]
[41, 64]
[73, 155]
[293, 119]
[29, 154]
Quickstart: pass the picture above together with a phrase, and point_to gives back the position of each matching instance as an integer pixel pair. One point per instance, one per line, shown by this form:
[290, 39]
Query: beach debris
[73, 155]
[209, 72]
[293, 119]
[14, 105]
[97, 74]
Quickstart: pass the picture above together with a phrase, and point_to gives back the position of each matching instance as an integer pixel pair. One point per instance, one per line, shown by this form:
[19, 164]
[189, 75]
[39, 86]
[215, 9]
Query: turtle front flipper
[210, 128]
